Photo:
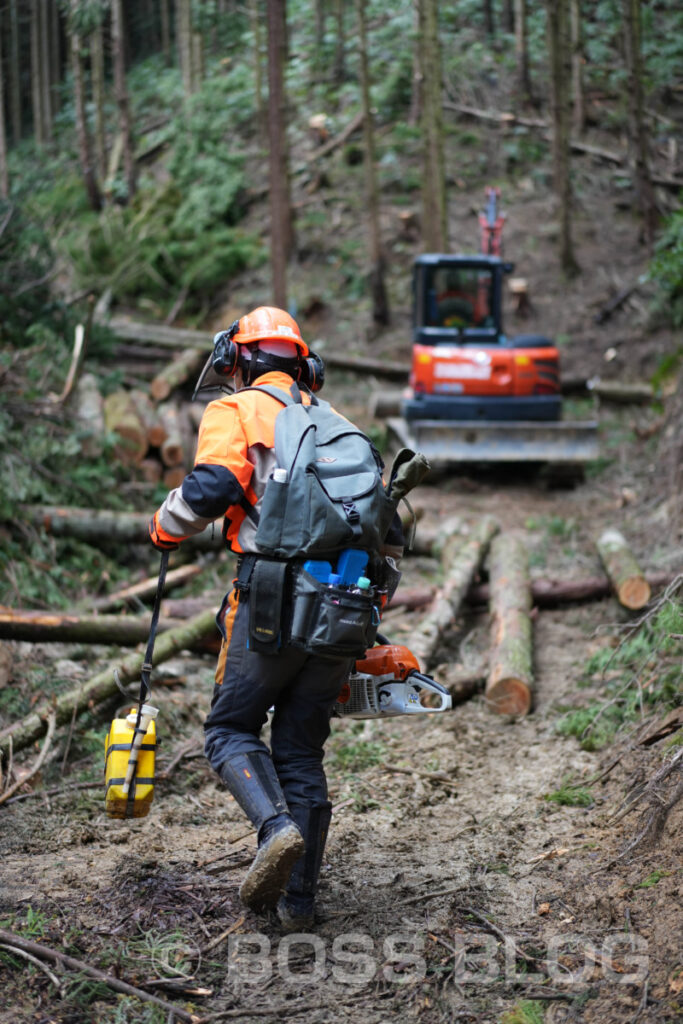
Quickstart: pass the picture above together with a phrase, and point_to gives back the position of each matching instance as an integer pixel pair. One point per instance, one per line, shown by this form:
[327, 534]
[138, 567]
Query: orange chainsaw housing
[495, 372]
[383, 660]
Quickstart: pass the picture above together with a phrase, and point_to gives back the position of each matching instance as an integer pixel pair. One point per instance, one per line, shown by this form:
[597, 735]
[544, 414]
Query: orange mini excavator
[475, 394]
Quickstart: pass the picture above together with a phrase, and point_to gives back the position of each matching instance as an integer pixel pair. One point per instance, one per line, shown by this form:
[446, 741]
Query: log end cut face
[634, 593]
[509, 696]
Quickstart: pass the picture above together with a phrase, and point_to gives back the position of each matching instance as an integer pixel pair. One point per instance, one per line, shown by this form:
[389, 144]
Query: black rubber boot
[296, 908]
[252, 780]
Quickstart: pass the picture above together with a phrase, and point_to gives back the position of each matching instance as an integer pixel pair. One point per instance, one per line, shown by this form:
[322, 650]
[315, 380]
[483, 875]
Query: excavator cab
[458, 299]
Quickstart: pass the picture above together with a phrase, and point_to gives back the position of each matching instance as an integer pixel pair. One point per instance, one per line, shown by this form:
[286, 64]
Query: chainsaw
[387, 682]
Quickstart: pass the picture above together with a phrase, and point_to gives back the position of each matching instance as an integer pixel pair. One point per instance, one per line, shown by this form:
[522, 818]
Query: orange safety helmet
[268, 323]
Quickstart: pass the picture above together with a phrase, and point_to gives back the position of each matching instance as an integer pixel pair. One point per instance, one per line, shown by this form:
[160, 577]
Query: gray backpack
[332, 496]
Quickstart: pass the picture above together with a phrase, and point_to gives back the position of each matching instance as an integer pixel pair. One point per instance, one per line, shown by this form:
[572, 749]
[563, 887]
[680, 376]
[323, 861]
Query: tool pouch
[330, 621]
[266, 592]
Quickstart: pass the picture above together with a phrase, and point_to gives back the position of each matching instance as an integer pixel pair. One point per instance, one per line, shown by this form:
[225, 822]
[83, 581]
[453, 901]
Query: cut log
[627, 578]
[183, 607]
[148, 588]
[184, 366]
[462, 554]
[509, 684]
[151, 470]
[172, 449]
[6, 664]
[103, 685]
[554, 593]
[110, 529]
[57, 627]
[149, 417]
[177, 338]
[173, 477]
[383, 404]
[121, 418]
[618, 392]
[88, 405]
[418, 597]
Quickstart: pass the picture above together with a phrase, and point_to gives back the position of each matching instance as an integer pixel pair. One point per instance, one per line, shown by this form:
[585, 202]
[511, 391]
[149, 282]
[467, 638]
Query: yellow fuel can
[129, 764]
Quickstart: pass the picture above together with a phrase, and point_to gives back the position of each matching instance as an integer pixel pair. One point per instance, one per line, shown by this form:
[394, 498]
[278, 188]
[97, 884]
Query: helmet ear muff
[226, 354]
[312, 372]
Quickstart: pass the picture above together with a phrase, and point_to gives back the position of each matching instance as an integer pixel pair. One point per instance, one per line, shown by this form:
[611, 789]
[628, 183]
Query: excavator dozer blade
[446, 442]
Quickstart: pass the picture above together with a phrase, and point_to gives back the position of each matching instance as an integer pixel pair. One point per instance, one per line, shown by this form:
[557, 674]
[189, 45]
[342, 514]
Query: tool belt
[289, 606]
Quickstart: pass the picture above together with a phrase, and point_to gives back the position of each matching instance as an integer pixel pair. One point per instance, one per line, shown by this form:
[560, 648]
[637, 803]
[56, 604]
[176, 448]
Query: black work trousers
[302, 689]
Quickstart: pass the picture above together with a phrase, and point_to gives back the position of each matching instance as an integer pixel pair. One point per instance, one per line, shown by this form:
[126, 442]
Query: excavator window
[459, 297]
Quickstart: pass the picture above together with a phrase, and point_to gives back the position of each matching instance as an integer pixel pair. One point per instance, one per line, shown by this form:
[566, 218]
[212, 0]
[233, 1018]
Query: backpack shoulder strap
[277, 393]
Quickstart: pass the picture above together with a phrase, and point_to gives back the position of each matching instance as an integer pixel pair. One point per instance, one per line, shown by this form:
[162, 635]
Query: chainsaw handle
[427, 683]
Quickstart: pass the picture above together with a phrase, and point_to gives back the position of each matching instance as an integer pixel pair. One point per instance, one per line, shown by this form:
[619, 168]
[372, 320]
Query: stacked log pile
[152, 419]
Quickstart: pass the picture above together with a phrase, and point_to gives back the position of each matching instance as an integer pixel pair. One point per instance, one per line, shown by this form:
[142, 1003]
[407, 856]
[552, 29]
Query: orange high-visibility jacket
[234, 459]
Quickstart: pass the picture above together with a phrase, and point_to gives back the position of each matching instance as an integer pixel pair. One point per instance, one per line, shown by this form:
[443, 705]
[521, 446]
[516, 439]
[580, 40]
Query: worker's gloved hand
[159, 542]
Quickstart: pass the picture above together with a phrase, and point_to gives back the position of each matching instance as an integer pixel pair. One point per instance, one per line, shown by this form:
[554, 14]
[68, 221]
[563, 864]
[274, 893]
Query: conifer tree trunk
[56, 70]
[638, 136]
[434, 206]
[197, 59]
[84, 146]
[416, 91]
[97, 72]
[165, 15]
[45, 65]
[14, 76]
[559, 51]
[184, 42]
[4, 173]
[36, 75]
[339, 65]
[119, 58]
[256, 34]
[280, 205]
[489, 19]
[509, 16]
[522, 52]
[579, 105]
[380, 301]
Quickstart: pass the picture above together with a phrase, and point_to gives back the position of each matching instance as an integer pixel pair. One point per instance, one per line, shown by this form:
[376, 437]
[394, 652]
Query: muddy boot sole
[271, 868]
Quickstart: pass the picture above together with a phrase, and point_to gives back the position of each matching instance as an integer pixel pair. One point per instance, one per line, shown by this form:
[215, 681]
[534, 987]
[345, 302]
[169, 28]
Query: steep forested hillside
[164, 168]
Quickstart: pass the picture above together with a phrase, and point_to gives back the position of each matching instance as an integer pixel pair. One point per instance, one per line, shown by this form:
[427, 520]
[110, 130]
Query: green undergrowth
[640, 675]
[569, 795]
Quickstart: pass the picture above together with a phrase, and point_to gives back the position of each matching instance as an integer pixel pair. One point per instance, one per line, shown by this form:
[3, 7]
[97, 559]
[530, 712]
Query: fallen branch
[102, 686]
[54, 791]
[439, 778]
[36, 962]
[223, 936]
[146, 588]
[11, 790]
[614, 304]
[56, 956]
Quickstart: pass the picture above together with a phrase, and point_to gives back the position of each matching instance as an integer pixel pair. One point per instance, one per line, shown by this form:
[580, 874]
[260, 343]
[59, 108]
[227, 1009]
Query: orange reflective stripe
[228, 623]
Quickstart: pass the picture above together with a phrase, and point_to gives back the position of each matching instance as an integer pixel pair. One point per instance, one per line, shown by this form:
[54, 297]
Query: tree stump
[519, 289]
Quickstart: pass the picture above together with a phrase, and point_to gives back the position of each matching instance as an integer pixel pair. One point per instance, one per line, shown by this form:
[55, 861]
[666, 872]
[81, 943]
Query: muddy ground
[451, 889]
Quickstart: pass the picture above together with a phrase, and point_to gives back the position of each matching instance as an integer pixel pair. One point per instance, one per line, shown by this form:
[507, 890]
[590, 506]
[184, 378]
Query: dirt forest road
[452, 888]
